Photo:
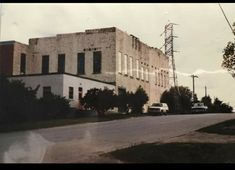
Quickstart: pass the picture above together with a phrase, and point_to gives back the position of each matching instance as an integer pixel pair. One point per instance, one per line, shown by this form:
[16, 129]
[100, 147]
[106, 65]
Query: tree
[123, 101]
[229, 58]
[17, 102]
[178, 99]
[207, 102]
[99, 100]
[220, 107]
[137, 100]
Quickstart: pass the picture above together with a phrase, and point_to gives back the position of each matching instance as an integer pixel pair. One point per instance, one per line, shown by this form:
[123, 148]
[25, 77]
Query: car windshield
[157, 104]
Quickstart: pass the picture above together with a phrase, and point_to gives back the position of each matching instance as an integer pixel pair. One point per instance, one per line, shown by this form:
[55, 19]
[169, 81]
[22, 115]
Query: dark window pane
[61, 63]
[46, 91]
[22, 63]
[79, 93]
[71, 92]
[97, 62]
[45, 64]
[81, 63]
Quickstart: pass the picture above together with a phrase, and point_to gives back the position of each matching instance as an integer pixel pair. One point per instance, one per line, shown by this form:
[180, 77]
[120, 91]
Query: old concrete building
[108, 56]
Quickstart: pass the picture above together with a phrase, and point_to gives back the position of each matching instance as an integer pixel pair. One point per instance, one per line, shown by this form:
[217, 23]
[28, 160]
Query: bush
[53, 106]
[99, 100]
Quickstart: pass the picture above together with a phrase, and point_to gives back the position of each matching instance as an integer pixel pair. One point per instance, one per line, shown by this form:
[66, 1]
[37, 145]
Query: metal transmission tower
[169, 50]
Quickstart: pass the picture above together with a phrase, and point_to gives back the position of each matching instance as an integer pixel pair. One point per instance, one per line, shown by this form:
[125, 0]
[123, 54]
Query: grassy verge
[223, 128]
[61, 122]
[177, 153]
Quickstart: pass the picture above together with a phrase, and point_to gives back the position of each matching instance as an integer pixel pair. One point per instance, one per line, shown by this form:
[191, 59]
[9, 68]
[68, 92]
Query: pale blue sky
[202, 31]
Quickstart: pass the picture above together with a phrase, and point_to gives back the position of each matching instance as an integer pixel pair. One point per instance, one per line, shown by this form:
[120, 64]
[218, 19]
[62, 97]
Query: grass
[62, 122]
[223, 128]
[177, 153]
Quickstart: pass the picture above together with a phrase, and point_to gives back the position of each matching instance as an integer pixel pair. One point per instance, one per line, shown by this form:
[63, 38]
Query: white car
[199, 108]
[161, 108]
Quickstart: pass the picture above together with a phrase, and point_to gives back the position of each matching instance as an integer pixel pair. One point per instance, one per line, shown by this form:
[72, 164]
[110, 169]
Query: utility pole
[193, 76]
[205, 91]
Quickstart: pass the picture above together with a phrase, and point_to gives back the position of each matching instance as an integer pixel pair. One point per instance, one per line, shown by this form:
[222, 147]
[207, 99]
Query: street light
[193, 76]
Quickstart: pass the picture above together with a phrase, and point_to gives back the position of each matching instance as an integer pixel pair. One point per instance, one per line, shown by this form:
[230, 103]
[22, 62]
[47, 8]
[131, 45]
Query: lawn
[177, 153]
[223, 128]
[62, 122]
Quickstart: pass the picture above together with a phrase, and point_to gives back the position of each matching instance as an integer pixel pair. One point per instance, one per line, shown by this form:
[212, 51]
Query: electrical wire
[226, 19]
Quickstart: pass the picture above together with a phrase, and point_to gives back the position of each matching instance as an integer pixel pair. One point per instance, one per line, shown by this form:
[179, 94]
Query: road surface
[85, 142]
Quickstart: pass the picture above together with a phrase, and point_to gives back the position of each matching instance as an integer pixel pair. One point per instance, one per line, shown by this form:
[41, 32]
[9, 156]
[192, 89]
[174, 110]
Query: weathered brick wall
[70, 45]
[18, 49]
[148, 57]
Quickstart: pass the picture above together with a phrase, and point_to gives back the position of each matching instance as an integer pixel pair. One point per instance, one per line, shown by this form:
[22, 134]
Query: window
[142, 73]
[137, 69]
[80, 93]
[159, 78]
[125, 64]
[22, 63]
[46, 91]
[162, 79]
[70, 92]
[146, 74]
[61, 63]
[97, 62]
[130, 66]
[119, 62]
[81, 63]
[45, 64]
[155, 77]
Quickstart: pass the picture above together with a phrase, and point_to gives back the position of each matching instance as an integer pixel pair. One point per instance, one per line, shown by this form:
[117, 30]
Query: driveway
[85, 142]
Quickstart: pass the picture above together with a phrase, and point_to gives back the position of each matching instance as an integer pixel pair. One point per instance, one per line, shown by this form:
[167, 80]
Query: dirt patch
[201, 137]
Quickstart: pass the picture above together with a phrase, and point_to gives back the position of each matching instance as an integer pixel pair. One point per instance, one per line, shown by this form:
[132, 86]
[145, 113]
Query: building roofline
[74, 75]
[11, 42]
[87, 31]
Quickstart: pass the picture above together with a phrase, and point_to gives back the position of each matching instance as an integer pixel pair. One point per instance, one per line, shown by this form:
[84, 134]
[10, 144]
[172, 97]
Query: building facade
[106, 57]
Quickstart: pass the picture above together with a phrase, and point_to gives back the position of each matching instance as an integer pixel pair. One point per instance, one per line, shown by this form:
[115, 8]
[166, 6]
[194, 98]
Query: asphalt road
[84, 142]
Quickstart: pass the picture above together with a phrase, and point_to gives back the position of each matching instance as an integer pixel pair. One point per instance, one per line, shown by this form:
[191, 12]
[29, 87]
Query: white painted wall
[60, 84]
[55, 81]
[86, 84]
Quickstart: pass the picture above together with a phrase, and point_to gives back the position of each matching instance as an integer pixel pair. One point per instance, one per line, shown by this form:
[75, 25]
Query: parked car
[199, 108]
[160, 108]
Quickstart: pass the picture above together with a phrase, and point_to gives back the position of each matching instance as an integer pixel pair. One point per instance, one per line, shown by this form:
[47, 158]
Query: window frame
[22, 63]
[81, 58]
[97, 69]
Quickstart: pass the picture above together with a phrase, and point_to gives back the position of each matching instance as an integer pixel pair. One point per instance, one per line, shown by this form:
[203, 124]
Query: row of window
[47, 91]
[61, 63]
[141, 72]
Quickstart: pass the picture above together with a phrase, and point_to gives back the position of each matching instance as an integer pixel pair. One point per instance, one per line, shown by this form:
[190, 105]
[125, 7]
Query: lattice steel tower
[169, 50]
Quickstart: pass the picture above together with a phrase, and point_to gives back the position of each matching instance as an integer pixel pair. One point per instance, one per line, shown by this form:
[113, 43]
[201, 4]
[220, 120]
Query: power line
[226, 19]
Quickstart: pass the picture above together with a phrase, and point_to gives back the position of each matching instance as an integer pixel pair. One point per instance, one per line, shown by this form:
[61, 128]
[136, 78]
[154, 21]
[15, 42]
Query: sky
[202, 33]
